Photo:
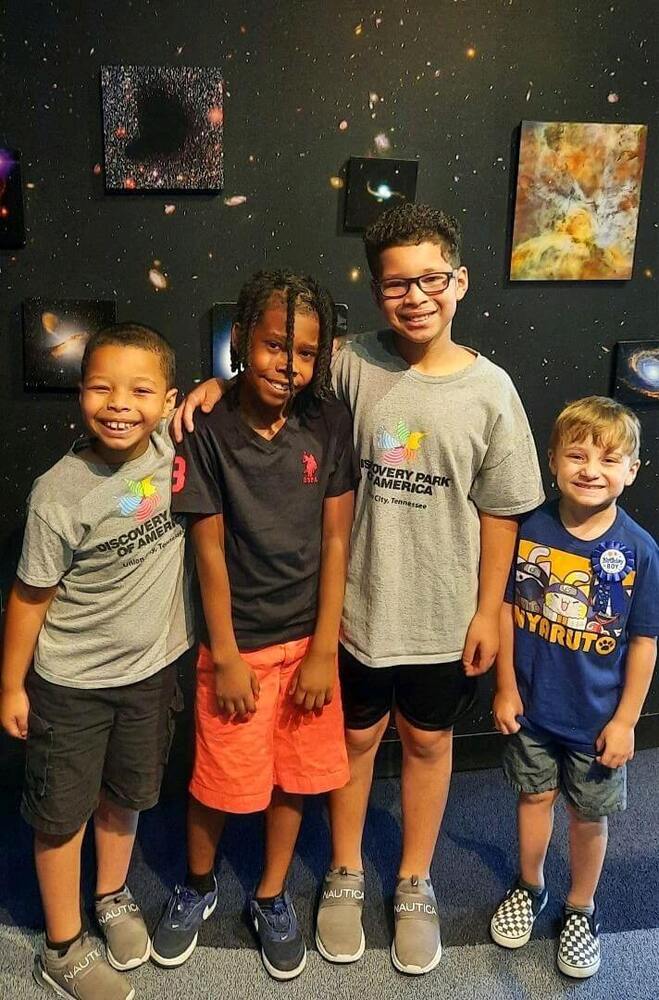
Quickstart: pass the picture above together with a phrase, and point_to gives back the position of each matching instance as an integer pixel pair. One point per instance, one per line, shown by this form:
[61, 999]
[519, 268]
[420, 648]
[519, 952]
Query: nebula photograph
[577, 202]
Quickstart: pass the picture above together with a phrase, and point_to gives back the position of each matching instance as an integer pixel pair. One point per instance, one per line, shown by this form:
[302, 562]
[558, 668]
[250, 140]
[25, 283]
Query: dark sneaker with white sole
[339, 930]
[417, 945]
[579, 945]
[127, 942]
[175, 937]
[81, 972]
[513, 919]
[283, 950]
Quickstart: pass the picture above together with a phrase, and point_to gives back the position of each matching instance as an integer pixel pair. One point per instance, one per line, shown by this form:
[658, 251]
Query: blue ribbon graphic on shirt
[611, 562]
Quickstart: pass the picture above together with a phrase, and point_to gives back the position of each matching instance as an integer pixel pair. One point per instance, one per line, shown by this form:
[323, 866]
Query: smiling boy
[99, 606]
[447, 461]
[578, 648]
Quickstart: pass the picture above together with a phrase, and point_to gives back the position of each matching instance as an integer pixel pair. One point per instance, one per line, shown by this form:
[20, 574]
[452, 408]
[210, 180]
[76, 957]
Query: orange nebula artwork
[576, 208]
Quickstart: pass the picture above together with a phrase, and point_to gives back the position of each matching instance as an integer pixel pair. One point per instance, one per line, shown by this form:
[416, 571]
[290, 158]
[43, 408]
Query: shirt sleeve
[196, 474]
[508, 481]
[644, 612]
[46, 555]
[344, 472]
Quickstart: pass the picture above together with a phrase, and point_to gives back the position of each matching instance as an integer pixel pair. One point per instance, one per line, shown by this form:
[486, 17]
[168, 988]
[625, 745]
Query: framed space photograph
[637, 373]
[12, 228]
[577, 201]
[341, 319]
[374, 184]
[55, 332]
[222, 315]
[163, 128]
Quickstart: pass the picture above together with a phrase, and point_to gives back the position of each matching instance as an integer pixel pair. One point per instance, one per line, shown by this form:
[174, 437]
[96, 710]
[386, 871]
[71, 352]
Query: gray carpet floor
[474, 863]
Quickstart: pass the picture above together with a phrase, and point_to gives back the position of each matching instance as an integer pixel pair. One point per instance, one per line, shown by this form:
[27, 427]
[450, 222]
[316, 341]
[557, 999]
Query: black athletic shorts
[429, 696]
[82, 740]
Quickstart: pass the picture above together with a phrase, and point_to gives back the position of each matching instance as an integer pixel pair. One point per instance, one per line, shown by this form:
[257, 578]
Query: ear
[170, 401]
[461, 282]
[375, 294]
[235, 334]
[552, 462]
[633, 472]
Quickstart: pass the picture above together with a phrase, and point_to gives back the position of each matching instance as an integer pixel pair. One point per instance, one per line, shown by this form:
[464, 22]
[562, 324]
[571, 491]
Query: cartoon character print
[532, 577]
[567, 601]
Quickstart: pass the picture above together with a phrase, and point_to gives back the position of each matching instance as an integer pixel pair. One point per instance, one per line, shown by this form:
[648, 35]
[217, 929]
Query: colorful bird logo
[401, 446]
[141, 500]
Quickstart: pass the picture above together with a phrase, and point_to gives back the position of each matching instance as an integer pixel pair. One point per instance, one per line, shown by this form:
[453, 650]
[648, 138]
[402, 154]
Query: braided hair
[297, 293]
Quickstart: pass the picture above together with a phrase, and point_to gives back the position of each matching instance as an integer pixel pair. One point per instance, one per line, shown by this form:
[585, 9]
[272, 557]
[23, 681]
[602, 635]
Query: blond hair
[608, 423]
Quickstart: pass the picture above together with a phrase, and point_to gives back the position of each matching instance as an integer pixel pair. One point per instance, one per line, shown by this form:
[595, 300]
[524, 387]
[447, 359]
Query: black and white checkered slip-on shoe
[579, 945]
[513, 919]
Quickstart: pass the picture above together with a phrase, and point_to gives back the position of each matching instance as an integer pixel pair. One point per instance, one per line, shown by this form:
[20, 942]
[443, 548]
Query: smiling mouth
[589, 486]
[281, 388]
[118, 426]
[418, 318]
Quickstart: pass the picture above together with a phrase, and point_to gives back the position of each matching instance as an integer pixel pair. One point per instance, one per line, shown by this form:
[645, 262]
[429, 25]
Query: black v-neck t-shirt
[271, 496]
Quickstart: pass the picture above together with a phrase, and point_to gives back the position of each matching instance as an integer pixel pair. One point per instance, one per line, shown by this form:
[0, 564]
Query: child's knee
[429, 745]
[541, 799]
[365, 741]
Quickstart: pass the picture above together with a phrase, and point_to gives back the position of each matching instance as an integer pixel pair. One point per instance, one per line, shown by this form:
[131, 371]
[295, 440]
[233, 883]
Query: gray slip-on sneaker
[126, 938]
[417, 945]
[81, 973]
[339, 931]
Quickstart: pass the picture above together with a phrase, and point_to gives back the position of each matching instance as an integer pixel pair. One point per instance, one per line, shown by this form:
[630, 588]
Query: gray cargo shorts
[534, 762]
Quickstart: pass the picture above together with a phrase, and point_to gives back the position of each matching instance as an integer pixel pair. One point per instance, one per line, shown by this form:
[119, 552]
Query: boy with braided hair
[267, 481]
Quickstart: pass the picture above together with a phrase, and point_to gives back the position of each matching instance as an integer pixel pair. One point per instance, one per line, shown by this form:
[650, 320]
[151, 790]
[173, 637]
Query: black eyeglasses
[430, 284]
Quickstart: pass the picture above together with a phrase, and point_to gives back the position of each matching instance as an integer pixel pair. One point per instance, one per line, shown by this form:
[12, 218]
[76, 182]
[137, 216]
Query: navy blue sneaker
[283, 950]
[175, 937]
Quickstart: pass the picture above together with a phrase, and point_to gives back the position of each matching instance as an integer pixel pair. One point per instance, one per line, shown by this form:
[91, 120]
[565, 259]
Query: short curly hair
[131, 334]
[409, 224]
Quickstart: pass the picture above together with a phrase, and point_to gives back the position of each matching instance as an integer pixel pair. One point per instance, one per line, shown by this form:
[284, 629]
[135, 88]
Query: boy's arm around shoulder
[26, 610]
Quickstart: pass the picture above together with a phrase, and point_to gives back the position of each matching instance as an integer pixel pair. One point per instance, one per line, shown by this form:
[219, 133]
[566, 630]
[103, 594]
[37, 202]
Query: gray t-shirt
[433, 452]
[105, 536]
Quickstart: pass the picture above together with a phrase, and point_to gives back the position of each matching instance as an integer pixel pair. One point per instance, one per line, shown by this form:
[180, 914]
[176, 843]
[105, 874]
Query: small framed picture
[374, 184]
[163, 128]
[55, 332]
[637, 373]
[222, 315]
[12, 227]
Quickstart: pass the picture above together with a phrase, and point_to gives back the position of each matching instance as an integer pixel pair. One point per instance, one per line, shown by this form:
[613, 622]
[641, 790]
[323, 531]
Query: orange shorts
[237, 764]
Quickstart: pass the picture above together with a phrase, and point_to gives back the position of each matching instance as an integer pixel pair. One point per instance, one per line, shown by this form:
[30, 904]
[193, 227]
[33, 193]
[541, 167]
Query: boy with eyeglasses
[447, 462]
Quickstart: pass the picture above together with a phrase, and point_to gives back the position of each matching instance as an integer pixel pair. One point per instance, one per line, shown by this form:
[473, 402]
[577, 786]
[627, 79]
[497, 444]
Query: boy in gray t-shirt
[447, 462]
[100, 608]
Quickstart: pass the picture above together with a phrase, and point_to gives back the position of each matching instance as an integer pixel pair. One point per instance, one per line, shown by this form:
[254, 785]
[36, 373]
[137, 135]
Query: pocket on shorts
[37, 757]
[175, 708]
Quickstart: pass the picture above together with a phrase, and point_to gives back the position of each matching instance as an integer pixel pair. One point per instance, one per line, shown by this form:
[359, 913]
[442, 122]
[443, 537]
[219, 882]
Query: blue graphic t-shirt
[576, 603]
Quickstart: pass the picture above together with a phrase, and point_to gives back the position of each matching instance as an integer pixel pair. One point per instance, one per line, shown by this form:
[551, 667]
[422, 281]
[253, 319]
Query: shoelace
[278, 917]
[185, 898]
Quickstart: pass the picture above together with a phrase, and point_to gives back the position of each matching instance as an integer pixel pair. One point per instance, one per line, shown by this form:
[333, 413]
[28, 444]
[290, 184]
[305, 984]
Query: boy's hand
[481, 645]
[236, 687]
[206, 395]
[313, 684]
[615, 744]
[507, 705]
[14, 709]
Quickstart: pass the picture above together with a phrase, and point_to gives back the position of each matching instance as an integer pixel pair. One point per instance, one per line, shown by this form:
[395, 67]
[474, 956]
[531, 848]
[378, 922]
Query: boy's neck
[584, 523]
[118, 458]
[265, 420]
[440, 356]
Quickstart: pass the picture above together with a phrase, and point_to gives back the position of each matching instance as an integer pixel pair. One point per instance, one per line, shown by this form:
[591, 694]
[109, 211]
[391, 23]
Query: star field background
[308, 84]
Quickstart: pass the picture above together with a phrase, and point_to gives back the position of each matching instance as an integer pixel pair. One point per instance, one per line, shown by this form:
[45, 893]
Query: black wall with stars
[453, 81]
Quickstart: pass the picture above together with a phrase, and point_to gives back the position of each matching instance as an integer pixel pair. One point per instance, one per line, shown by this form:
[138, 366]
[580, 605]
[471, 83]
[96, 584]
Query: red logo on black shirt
[310, 466]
